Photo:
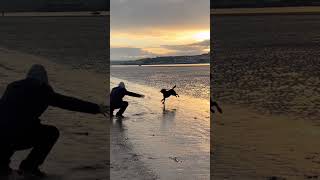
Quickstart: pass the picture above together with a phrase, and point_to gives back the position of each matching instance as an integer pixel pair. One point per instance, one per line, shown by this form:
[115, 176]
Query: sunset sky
[149, 28]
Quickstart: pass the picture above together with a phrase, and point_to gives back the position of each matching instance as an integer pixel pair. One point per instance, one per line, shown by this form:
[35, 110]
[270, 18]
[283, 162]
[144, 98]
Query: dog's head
[163, 91]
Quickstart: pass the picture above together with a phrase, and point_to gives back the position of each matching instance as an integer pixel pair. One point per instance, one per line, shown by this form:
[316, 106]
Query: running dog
[215, 104]
[168, 93]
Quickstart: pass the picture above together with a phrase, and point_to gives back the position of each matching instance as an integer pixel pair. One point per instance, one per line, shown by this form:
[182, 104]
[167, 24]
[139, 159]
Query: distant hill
[261, 3]
[196, 59]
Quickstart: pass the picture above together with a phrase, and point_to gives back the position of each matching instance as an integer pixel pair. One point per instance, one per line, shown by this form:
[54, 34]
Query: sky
[151, 28]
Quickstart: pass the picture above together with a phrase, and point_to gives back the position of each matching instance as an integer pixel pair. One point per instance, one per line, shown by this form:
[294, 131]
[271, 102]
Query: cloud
[133, 53]
[189, 49]
[128, 53]
[140, 14]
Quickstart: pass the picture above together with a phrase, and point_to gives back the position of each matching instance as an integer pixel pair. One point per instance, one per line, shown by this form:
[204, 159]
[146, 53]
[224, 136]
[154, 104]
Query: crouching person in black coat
[116, 99]
[21, 105]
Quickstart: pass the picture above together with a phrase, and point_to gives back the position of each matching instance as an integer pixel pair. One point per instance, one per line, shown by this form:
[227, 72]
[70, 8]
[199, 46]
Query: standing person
[21, 105]
[116, 99]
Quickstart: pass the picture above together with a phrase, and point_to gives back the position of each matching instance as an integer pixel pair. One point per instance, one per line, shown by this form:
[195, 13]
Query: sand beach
[265, 74]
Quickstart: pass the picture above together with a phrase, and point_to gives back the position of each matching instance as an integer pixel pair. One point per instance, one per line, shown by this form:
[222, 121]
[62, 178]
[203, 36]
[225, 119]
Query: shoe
[120, 116]
[27, 170]
[35, 172]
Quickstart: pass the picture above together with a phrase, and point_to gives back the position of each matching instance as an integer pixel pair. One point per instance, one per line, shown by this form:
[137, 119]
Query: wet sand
[80, 42]
[170, 143]
[82, 151]
[265, 74]
[251, 145]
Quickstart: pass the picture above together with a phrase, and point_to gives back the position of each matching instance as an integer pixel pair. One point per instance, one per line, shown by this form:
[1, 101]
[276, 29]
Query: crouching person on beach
[116, 99]
[21, 105]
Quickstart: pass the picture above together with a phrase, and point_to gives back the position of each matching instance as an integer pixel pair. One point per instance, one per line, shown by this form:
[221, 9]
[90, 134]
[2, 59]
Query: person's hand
[104, 109]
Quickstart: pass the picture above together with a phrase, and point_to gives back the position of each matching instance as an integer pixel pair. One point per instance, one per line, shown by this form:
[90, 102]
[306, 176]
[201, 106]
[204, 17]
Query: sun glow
[201, 36]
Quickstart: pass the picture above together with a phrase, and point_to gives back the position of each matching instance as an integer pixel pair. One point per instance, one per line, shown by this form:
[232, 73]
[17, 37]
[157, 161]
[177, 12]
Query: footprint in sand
[311, 176]
[138, 114]
[276, 178]
[89, 168]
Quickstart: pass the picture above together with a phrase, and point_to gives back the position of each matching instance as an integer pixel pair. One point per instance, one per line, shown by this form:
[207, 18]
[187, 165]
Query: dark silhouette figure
[21, 105]
[168, 93]
[215, 104]
[116, 99]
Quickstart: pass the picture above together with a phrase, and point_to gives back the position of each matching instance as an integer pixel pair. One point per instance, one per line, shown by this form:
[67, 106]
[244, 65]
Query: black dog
[215, 104]
[168, 93]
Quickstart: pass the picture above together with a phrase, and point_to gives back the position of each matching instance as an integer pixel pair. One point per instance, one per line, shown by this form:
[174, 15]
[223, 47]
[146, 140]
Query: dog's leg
[219, 109]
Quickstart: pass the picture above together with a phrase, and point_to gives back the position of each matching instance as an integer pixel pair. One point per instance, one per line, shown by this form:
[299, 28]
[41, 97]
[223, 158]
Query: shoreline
[163, 65]
[143, 84]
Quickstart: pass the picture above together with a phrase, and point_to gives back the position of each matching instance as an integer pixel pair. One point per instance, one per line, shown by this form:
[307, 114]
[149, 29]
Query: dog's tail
[174, 86]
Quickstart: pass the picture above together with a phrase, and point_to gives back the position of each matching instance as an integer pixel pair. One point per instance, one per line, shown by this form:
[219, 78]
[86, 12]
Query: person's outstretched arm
[133, 94]
[73, 104]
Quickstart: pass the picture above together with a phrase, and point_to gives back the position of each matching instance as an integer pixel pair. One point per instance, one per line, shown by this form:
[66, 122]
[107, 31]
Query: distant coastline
[167, 60]
[168, 65]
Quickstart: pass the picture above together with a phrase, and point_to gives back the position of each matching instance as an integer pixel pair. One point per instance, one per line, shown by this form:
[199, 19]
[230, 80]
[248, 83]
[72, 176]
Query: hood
[38, 72]
[121, 84]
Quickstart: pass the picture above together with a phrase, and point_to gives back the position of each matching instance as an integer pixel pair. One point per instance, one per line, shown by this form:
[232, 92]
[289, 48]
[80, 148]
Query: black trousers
[41, 139]
[120, 105]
